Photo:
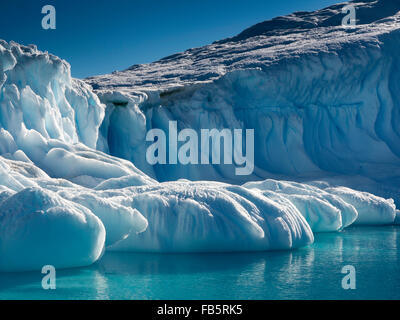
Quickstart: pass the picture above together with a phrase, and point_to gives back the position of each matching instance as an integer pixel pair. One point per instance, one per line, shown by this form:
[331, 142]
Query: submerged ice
[323, 104]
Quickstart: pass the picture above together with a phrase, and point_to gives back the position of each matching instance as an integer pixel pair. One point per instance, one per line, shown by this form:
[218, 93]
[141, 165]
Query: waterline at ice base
[319, 102]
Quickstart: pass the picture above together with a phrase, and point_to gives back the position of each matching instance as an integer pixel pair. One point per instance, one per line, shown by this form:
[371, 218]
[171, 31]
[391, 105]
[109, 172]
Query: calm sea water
[308, 273]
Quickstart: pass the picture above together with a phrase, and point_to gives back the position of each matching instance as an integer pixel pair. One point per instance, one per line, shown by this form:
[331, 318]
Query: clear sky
[100, 36]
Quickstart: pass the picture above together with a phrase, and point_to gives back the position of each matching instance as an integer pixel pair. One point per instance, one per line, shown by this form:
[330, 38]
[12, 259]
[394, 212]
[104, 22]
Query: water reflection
[152, 264]
[311, 273]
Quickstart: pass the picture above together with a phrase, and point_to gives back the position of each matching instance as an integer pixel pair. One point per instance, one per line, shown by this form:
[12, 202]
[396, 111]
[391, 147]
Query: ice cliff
[322, 100]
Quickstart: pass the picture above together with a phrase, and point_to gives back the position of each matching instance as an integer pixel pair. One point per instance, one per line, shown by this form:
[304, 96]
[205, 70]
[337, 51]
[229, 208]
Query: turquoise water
[308, 273]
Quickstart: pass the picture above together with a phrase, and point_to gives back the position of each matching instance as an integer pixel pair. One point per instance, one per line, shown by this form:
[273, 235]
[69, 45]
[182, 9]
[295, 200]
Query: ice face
[331, 208]
[188, 216]
[74, 180]
[323, 211]
[371, 209]
[53, 105]
[180, 216]
[38, 227]
[322, 100]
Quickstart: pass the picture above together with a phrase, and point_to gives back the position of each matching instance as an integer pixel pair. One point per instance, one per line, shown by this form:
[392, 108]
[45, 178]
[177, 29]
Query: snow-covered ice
[37, 227]
[324, 211]
[371, 209]
[322, 98]
[323, 102]
[188, 216]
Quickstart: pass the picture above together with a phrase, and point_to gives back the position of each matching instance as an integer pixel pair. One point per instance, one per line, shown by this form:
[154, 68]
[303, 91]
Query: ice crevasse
[73, 180]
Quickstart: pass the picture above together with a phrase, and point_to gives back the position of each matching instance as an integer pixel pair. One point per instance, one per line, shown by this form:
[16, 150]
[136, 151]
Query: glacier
[322, 100]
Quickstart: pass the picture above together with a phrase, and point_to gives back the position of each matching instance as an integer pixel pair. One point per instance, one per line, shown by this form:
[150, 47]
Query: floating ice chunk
[38, 228]
[322, 210]
[372, 210]
[213, 217]
[119, 220]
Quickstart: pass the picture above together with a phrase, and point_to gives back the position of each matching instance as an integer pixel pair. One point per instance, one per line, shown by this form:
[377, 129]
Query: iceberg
[323, 103]
[332, 208]
[371, 209]
[39, 228]
[186, 216]
[323, 210]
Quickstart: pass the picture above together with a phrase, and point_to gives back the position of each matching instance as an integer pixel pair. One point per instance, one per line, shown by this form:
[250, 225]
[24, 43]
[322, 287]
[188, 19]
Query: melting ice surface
[324, 105]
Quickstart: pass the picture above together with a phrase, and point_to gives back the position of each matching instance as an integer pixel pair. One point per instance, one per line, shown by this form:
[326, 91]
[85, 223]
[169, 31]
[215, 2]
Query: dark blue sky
[100, 36]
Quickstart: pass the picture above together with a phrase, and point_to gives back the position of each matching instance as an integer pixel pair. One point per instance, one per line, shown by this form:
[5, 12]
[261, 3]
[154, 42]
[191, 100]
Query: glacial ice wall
[37, 85]
[329, 113]
[323, 99]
